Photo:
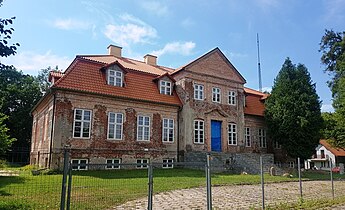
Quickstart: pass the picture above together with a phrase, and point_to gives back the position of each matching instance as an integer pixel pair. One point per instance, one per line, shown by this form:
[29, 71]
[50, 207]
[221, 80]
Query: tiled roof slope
[129, 64]
[254, 102]
[85, 75]
[334, 150]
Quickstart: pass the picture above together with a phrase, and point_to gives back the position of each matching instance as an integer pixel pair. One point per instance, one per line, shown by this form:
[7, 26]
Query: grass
[107, 188]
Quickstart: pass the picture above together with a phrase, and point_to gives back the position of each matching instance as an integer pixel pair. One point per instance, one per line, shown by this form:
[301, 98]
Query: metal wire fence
[169, 185]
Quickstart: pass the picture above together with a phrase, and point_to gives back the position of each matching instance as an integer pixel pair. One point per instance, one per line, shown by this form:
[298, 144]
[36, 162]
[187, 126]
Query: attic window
[115, 77]
[165, 87]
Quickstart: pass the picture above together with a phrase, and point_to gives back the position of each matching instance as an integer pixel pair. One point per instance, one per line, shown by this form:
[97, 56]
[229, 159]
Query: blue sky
[52, 32]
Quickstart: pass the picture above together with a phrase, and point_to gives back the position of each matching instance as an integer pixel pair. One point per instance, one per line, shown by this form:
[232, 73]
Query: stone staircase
[235, 162]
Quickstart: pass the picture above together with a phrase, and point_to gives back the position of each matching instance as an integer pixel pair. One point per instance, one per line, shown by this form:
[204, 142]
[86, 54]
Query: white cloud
[267, 5]
[327, 108]
[71, 24]
[31, 62]
[155, 7]
[184, 48]
[133, 31]
[186, 23]
[267, 89]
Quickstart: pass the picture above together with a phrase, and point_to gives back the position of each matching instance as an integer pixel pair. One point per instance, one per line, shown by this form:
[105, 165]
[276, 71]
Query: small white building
[324, 154]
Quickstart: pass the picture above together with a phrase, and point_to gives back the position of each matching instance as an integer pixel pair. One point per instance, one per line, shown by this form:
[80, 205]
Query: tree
[18, 93]
[292, 112]
[42, 78]
[332, 47]
[5, 139]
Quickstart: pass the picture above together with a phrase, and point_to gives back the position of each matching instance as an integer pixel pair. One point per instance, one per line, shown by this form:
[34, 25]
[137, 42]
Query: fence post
[150, 193]
[69, 188]
[64, 179]
[331, 172]
[208, 183]
[262, 182]
[299, 178]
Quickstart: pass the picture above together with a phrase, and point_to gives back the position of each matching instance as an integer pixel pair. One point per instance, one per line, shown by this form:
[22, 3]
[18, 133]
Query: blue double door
[216, 136]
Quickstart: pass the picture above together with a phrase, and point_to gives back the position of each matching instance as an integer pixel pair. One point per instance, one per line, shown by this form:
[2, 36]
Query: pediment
[216, 64]
[217, 112]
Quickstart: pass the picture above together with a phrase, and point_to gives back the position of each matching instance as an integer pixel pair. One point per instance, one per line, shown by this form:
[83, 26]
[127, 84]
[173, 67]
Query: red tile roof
[128, 63]
[56, 74]
[85, 75]
[334, 150]
[254, 102]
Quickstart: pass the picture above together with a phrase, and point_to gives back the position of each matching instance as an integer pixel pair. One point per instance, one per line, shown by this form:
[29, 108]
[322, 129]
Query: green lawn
[107, 188]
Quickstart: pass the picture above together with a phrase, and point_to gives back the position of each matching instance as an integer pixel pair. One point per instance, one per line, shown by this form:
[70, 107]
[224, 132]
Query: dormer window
[165, 87]
[115, 77]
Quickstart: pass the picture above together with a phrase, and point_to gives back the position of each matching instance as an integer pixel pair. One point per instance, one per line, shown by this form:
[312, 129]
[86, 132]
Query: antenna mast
[259, 67]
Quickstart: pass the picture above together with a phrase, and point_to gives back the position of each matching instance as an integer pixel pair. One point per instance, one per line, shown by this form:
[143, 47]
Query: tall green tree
[332, 47]
[292, 112]
[5, 139]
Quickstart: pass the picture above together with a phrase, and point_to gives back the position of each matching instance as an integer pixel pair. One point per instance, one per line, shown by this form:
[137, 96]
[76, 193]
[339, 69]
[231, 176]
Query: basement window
[142, 163]
[79, 164]
[168, 163]
[113, 163]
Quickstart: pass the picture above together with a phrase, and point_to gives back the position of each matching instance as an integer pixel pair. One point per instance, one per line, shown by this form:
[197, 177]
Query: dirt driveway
[238, 196]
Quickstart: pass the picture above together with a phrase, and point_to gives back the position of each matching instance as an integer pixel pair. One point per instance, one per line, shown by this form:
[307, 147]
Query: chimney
[150, 59]
[114, 50]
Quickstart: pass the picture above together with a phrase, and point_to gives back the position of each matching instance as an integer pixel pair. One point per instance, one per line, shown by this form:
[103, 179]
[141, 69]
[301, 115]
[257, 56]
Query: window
[113, 163]
[278, 164]
[232, 98]
[247, 137]
[82, 122]
[168, 130]
[198, 92]
[115, 77]
[79, 164]
[115, 126]
[199, 131]
[232, 131]
[216, 95]
[143, 128]
[142, 163]
[291, 164]
[277, 145]
[322, 153]
[165, 87]
[262, 138]
[168, 163]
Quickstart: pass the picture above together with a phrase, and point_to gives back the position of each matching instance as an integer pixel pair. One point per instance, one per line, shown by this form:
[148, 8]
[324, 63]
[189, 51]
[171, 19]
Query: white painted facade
[322, 159]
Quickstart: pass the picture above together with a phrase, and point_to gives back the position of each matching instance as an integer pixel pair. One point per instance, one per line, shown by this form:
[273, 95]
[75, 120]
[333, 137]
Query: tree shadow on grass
[6, 180]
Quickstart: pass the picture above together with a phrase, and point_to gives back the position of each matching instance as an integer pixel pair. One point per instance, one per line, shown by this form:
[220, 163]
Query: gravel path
[239, 196]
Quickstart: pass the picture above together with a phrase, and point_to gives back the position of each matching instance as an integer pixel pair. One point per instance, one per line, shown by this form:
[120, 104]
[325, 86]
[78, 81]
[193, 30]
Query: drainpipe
[178, 133]
[51, 131]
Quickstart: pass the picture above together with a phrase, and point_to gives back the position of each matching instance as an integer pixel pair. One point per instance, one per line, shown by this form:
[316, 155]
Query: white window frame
[82, 121]
[232, 98]
[143, 126]
[277, 145]
[168, 163]
[291, 164]
[142, 161]
[216, 95]
[79, 164]
[115, 77]
[168, 130]
[115, 124]
[262, 138]
[165, 87]
[232, 134]
[199, 92]
[115, 163]
[247, 137]
[199, 133]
